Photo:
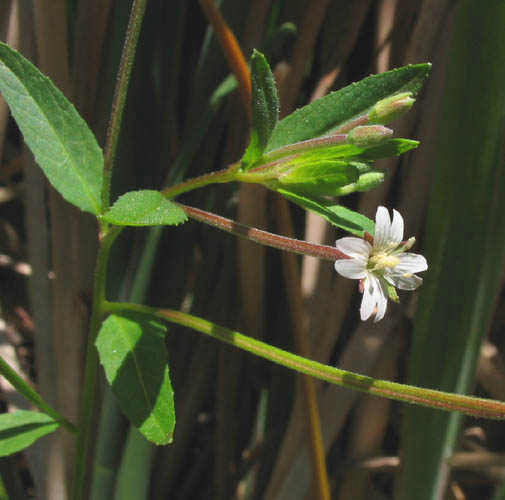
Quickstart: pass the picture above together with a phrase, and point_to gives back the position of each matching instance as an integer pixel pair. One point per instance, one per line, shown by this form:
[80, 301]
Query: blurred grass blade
[59, 138]
[465, 242]
[499, 494]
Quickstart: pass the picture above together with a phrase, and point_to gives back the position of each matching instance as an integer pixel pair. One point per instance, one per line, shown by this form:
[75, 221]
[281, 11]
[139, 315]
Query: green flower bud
[318, 177]
[366, 181]
[369, 180]
[369, 135]
[393, 294]
[390, 108]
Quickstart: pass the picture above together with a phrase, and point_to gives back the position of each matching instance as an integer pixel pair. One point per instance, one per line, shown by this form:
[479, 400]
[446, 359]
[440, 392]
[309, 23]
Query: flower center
[382, 260]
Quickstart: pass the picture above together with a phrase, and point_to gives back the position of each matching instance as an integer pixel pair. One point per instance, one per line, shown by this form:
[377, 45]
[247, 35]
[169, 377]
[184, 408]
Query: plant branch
[263, 237]
[469, 405]
[219, 176]
[119, 99]
[90, 376]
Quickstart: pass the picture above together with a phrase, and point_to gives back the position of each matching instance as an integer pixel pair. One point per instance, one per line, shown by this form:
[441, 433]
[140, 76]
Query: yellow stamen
[382, 260]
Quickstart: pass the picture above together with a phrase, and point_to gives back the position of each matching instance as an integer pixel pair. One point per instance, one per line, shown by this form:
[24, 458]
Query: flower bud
[368, 136]
[390, 108]
[369, 180]
[316, 177]
[365, 182]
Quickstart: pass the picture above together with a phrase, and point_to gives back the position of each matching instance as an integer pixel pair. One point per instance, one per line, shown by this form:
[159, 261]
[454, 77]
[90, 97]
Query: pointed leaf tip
[265, 107]
[58, 137]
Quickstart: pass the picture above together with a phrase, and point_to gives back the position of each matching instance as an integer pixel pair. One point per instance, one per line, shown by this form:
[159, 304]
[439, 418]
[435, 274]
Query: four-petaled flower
[381, 266]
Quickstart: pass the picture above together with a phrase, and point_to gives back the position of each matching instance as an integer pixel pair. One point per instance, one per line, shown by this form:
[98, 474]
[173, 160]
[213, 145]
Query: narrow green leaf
[330, 112]
[133, 353]
[393, 147]
[60, 140]
[265, 107]
[144, 208]
[22, 428]
[337, 215]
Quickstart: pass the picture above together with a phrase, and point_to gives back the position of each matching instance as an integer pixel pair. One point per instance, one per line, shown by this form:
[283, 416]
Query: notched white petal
[355, 248]
[396, 232]
[368, 301]
[382, 229]
[411, 263]
[373, 297]
[382, 302]
[351, 268]
[403, 281]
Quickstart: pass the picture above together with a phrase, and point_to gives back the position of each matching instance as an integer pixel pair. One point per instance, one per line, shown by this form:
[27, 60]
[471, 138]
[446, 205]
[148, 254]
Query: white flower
[381, 264]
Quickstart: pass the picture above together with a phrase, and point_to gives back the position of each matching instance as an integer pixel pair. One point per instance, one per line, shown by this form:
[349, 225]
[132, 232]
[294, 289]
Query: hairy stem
[263, 237]
[477, 407]
[90, 376]
[119, 99]
[220, 176]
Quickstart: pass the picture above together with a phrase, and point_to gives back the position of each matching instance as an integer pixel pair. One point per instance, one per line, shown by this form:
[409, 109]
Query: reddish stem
[269, 239]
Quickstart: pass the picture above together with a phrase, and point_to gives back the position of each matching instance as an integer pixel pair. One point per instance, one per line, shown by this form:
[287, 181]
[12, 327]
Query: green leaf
[337, 215]
[144, 208]
[265, 107]
[22, 428]
[133, 353]
[58, 137]
[321, 177]
[330, 112]
[393, 147]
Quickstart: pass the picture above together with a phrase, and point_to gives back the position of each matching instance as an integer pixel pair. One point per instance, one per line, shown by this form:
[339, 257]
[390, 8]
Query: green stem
[220, 176]
[477, 407]
[29, 393]
[118, 102]
[90, 376]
